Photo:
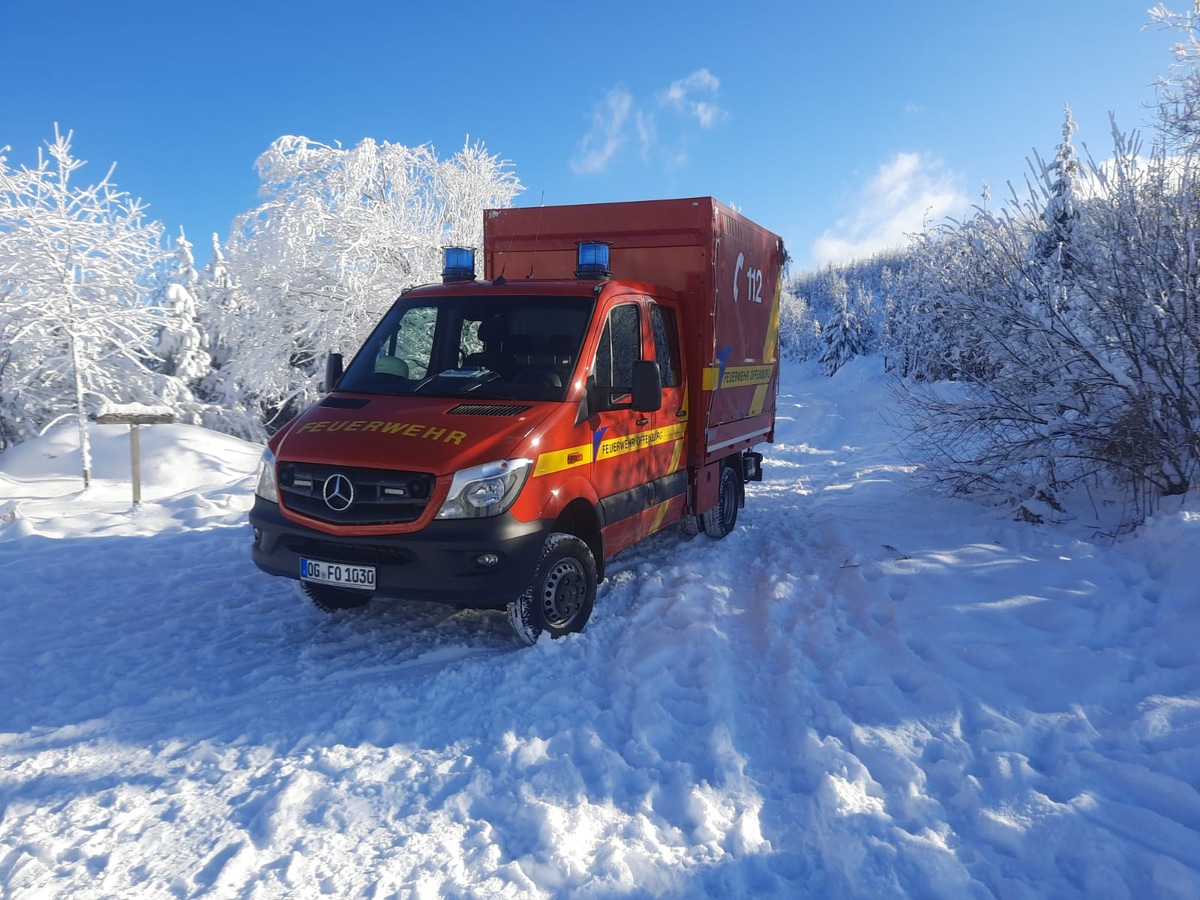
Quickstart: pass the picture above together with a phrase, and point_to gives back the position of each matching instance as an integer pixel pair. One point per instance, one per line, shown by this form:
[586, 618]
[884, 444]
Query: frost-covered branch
[75, 321]
[339, 234]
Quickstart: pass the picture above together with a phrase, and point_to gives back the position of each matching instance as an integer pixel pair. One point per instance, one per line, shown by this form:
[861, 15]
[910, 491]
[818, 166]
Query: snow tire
[330, 599]
[560, 598]
[720, 519]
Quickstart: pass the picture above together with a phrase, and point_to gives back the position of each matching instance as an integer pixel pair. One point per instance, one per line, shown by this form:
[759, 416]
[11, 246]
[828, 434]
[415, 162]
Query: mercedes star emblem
[338, 493]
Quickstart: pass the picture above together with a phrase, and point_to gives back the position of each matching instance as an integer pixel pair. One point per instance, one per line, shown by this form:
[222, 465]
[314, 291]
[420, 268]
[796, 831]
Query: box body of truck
[494, 441]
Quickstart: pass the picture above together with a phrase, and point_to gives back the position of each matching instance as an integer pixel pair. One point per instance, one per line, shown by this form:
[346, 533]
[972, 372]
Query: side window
[666, 344]
[620, 347]
[406, 352]
[469, 341]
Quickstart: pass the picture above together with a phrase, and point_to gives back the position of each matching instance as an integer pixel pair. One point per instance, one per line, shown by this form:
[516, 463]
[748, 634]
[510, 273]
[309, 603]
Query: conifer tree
[842, 334]
[1062, 208]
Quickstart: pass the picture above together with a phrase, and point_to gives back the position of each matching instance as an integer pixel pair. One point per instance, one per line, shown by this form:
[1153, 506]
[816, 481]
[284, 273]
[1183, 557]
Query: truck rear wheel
[720, 519]
[331, 599]
[560, 598]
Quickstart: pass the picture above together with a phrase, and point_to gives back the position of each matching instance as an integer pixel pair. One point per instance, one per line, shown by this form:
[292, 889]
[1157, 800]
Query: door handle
[641, 422]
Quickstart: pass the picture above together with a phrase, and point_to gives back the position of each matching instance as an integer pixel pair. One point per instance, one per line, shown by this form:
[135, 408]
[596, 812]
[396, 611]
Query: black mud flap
[751, 466]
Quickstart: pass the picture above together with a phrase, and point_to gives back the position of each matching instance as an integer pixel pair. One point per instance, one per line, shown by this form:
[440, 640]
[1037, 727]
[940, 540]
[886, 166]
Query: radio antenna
[512, 236]
[537, 234]
[507, 254]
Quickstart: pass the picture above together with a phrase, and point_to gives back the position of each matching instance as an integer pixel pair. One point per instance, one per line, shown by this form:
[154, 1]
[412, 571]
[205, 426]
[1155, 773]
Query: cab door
[668, 498]
[627, 461]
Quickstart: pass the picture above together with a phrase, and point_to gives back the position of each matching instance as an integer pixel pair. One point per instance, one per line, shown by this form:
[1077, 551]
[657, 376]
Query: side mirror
[647, 386]
[334, 368]
[644, 396]
[589, 404]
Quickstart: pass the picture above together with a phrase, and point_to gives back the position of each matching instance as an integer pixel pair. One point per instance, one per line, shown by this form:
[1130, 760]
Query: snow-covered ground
[861, 692]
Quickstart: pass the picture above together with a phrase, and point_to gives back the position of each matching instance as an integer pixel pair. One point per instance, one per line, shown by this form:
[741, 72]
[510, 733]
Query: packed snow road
[861, 691]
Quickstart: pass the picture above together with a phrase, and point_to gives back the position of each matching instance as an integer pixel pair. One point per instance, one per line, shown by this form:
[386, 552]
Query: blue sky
[838, 126]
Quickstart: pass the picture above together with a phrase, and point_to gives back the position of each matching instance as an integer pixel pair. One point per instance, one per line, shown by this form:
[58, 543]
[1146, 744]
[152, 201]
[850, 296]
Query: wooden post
[117, 416]
[135, 462]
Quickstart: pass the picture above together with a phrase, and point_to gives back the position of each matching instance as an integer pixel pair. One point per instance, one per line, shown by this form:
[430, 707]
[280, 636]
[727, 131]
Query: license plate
[360, 578]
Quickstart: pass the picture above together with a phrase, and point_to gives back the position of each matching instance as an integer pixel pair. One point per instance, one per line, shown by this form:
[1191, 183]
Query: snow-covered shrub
[1071, 318]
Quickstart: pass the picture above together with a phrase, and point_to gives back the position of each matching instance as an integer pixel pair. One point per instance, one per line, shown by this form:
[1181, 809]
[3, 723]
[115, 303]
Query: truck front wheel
[331, 599]
[559, 600]
[719, 520]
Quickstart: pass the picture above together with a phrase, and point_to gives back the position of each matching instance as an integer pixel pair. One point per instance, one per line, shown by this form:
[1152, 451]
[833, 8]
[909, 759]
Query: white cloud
[647, 130]
[683, 96]
[607, 134]
[906, 193]
[686, 103]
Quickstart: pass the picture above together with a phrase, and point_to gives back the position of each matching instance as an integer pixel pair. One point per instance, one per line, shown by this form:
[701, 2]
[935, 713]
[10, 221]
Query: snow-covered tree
[1071, 372]
[799, 331]
[181, 345]
[75, 322]
[842, 334]
[930, 337]
[195, 307]
[1055, 245]
[214, 306]
[824, 294]
[1179, 91]
[339, 234]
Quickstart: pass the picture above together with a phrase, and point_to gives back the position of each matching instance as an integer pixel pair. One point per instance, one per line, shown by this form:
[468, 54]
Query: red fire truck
[495, 441]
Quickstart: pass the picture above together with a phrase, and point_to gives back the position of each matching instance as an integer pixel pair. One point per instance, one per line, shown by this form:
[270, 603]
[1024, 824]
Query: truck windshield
[510, 347]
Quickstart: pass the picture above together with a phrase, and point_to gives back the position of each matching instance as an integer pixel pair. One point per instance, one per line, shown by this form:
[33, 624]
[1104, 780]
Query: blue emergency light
[591, 260]
[458, 264]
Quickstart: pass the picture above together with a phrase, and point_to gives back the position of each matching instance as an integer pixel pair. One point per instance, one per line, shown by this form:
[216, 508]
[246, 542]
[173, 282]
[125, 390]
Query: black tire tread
[525, 615]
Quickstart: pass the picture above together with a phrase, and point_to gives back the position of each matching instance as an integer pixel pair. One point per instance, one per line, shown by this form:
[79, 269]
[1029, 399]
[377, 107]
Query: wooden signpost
[135, 416]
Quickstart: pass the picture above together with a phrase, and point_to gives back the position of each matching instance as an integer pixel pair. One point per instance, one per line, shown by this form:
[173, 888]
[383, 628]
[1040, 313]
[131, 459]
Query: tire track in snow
[827, 658]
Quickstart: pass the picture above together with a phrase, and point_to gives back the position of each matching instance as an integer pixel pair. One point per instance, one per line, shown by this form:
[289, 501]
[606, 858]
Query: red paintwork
[681, 254]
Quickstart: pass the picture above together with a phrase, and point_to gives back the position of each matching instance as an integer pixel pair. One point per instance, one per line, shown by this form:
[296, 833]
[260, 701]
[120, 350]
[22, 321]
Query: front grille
[369, 496]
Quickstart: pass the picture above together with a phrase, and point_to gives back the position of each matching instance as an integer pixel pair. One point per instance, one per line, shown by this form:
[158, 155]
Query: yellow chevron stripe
[769, 348]
[659, 516]
[561, 460]
[631, 443]
[676, 457]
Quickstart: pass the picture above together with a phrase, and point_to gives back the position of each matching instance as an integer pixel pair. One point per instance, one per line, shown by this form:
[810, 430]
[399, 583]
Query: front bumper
[438, 564]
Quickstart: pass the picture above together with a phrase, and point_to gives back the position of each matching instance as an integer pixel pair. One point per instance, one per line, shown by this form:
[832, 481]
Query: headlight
[266, 487]
[486, 490]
